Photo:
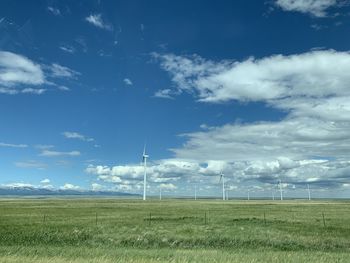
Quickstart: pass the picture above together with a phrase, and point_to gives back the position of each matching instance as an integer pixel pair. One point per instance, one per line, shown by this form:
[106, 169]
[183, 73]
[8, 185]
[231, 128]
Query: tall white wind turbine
[308, 191]
[195, 192]
[222, 178]
[160, 192]
[281, 190]
[144, 160]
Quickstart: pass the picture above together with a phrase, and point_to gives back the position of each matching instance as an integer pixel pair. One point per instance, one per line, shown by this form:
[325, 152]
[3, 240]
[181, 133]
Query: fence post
[264, 218]
[96, 219]
[150, 218]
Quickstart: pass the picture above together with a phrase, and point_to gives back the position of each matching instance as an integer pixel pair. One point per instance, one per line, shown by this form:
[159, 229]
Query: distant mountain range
[33, 191]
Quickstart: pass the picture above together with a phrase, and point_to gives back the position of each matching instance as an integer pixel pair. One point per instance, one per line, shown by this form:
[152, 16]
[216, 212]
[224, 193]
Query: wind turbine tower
[281, 190]
[195, 192]
[144, 160]
[308, 191]
[223, 185]
[160, 192]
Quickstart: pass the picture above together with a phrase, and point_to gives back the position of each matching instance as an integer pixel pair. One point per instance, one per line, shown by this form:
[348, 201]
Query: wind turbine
[308, 190]
[144, 160]
[195, 192]
[281, 191]
[248, 194]
[223, 185]
[160, 192]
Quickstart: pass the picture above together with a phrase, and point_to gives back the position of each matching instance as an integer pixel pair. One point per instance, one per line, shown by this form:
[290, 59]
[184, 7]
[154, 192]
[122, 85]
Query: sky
[257, 90]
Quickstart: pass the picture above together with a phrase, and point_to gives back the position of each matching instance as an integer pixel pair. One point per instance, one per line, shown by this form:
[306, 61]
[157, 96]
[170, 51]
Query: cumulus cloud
[96, 20]
[312, 74]
[17, 185]
[78, 136]
[317, 8]
[165, 172]
[97, 187]
[68, 186]
[257, 175]
[45, 181]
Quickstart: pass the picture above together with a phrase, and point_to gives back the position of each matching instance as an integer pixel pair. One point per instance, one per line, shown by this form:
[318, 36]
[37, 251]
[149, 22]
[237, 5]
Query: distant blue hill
[33, 191]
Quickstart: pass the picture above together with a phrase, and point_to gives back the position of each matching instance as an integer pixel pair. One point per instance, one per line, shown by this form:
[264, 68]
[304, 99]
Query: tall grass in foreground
[116, 230]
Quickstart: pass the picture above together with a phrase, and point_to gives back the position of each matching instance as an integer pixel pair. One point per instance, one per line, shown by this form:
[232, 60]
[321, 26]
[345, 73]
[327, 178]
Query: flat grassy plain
[126, 230]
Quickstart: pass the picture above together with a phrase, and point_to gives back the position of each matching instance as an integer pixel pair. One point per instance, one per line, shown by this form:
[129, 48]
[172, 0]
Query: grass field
[119, 230]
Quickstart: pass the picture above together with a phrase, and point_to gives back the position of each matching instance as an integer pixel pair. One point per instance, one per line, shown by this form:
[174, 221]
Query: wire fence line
[201, 217]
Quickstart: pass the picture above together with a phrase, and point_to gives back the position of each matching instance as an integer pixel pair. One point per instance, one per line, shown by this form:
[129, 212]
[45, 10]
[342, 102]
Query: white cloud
[12, 91]
[49, 153]
[315, 73]
[298, 138]
[17, 185]
[45, 181]
[161, 172]
[62, 72]
[258, 174]
[128, 82]
[16, 69]
[97, 187]
[33, 91]
[165, 94]
[75, 135]
[317, 8]
[55, 11]
[68, 49]
[8, 91]
[2, 144]
[68, 186]
[20, 75]
[63, 88]
[96, 20]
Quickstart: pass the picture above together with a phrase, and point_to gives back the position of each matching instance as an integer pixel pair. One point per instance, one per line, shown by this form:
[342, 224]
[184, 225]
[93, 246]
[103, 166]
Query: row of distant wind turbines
[222, 179]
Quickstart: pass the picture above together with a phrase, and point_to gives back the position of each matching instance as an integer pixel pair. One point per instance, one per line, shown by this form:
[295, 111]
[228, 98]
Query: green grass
[68, 230]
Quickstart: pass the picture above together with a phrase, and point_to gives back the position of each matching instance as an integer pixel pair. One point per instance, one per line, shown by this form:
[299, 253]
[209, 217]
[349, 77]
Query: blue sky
[256, 89]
